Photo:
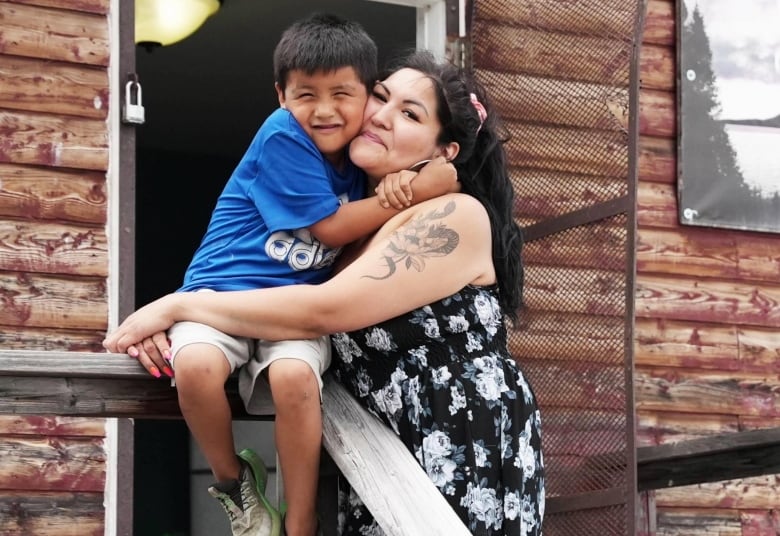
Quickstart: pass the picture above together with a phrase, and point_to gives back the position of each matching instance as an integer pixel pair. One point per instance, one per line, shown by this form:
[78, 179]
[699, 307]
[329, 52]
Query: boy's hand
[438, 177]
[395, 190]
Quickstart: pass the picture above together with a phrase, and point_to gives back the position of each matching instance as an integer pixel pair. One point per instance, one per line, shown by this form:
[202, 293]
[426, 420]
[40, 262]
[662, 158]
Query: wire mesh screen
[559, 73]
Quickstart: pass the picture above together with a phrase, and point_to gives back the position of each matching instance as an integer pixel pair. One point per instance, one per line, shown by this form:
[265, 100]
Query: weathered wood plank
[675, 521]
[567, 336]
[760, 522]
[45, 193]
[58, 88]
[577, 385]
[30, 138]
[656, 66]
[535, 99]
[51, 514]
[707, 392]
[542, 194]
[724, 302]
[659, 23]
[542, 53]
[52, 339]
[37, 300]
[599, 292]
[583, 433]
[569, 150]
[698, 252]
[706, 252]
[89, 6]
[661, 427]
[758, 256]
[53, 426]
[656, 205]
[53, 464]
[614, 18]
[400, 495]
[689, 344]
[709, 459]
[53, 248]
[101, 384]
[758, 492]
[657, 113]
[657, 160]
[697, 345]
[54, 34]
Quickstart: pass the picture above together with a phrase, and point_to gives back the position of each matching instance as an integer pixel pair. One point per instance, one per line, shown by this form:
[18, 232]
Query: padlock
[133, 113]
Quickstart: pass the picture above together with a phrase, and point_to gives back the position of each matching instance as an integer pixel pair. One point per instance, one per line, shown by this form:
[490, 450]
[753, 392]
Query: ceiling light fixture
[164, 22]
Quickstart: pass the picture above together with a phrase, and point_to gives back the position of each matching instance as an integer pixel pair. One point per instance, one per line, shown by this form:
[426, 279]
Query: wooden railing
[382, 471]
[380, 468]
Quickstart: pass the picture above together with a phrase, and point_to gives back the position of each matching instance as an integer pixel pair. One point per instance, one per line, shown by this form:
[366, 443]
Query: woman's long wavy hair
[481, 165]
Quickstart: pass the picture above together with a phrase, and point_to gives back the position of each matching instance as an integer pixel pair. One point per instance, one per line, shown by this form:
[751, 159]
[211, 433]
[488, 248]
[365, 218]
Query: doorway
[205, 97]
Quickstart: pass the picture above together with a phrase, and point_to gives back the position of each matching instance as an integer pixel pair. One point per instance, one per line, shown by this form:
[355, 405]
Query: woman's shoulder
[457, 207]
[458, 212]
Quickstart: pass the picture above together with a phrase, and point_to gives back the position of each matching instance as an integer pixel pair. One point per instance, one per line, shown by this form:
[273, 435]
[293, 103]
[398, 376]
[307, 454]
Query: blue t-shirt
[258, 236]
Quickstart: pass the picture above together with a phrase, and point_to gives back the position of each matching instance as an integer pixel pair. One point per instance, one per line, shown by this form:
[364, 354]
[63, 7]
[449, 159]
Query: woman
[418, 314]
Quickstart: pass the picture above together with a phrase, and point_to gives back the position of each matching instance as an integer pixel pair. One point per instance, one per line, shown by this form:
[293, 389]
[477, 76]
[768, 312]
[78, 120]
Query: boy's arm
[357, 219]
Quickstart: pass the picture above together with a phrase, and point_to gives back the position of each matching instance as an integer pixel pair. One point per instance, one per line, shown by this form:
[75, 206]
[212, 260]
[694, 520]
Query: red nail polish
[154, 371]
[168, 371]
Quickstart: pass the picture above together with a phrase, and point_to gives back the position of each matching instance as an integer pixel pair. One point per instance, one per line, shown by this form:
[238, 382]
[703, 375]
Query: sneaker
[257, 466]
[249, 511]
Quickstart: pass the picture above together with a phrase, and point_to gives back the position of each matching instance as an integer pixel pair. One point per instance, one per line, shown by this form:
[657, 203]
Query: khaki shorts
[251, 357]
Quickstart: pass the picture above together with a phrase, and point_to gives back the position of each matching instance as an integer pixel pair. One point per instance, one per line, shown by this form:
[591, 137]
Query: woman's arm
[425, 254]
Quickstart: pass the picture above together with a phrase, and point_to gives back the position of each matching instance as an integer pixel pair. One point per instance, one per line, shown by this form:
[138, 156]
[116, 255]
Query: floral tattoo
[421, 238]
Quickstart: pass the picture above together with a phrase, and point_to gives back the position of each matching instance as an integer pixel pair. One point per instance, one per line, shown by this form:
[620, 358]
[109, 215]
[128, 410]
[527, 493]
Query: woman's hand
[154, 354]
[147, 321]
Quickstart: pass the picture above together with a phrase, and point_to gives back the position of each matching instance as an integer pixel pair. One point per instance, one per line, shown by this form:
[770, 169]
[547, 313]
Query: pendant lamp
[164, 22]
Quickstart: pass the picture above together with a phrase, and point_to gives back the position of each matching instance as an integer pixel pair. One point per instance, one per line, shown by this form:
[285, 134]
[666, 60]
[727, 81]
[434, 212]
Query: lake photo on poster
[758, 154]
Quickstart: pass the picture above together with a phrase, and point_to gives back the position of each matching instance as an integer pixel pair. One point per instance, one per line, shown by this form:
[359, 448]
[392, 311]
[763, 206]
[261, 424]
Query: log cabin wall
[54, 88]
[707, 317]
[561, 76]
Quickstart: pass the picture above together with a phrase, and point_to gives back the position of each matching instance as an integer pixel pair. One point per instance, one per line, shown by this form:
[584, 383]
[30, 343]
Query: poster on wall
[729, 114]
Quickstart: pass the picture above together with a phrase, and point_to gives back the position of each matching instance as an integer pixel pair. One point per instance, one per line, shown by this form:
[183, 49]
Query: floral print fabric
[442, 378]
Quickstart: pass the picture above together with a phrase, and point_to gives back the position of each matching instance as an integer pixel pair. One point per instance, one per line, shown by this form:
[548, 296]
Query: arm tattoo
[419, 239]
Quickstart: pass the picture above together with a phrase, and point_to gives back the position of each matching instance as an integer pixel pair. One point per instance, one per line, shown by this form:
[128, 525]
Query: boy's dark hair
[323, 42]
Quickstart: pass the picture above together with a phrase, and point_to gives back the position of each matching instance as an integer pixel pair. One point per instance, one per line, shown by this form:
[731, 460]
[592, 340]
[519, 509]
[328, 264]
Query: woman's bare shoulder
[457, 211]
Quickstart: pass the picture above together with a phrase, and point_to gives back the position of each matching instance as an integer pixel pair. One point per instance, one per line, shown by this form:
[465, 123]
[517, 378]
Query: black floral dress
[441, 377]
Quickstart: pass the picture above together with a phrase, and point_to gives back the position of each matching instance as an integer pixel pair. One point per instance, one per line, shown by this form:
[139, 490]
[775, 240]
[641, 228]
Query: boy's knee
[292, 380]
[200, 364]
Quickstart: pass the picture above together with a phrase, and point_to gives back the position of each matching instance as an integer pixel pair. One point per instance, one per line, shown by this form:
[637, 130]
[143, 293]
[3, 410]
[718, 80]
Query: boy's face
[328, 105]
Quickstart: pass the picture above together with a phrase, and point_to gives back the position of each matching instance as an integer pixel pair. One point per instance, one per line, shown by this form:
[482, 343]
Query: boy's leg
[203, 358]
[201, 371]
[296, 394]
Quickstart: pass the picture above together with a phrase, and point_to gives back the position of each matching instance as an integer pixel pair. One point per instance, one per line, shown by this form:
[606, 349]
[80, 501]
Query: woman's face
[400, 125]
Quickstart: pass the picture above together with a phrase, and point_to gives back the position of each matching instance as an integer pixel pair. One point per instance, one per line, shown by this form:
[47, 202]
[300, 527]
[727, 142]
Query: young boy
[292, 202]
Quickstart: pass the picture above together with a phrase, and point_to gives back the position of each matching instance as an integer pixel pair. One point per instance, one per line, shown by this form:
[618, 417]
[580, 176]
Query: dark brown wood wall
[707, 340]
[54, 102]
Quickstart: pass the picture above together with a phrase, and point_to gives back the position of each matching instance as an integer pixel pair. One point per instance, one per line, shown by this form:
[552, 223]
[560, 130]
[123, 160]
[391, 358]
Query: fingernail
[154, 371]
[168, 371]
[167, 355]
[132, 352]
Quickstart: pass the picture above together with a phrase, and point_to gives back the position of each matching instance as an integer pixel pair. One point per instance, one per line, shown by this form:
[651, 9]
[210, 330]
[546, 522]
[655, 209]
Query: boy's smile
[328, 105]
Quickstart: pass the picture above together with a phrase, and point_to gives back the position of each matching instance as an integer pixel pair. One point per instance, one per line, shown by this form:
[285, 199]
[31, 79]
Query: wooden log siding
[53, 160]
[54, 104]
[706, 341]
[58, 464]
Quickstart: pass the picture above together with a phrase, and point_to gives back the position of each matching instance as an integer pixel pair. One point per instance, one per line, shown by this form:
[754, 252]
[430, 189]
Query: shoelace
[233, 500]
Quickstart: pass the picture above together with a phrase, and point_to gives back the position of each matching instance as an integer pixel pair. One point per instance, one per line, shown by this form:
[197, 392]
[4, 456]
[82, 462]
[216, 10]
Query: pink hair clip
[481, 112]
